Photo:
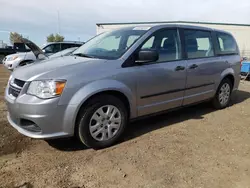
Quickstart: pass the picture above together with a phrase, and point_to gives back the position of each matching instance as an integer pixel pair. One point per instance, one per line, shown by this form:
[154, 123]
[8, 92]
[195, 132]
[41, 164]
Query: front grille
[15, 87]
[19, 83]
[14, 91]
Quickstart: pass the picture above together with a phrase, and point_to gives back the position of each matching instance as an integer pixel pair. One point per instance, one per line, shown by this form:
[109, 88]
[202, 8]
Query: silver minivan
[122, 75]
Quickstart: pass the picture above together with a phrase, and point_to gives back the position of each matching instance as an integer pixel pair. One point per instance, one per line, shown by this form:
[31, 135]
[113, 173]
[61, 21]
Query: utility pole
[58, 22]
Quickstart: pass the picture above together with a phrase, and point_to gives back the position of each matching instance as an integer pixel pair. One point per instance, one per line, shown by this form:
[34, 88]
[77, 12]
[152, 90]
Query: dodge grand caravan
[122, 75]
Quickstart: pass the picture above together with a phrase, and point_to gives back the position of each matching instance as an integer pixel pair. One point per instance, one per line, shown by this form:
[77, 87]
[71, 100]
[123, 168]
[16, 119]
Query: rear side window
[69, 45]
[65, 46]
[227, 44]
[76, 45]
[198, 44]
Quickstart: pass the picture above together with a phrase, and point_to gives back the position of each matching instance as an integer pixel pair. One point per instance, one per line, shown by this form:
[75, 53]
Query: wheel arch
[83, 95]
[115, 93]
[25, 61]
[230, 74]
[231, 78]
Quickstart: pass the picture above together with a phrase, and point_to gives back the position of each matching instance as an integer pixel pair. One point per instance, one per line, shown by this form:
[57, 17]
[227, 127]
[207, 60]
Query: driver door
[161, 84]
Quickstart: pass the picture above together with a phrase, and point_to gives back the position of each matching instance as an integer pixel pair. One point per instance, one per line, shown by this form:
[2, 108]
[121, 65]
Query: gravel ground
[193, 147]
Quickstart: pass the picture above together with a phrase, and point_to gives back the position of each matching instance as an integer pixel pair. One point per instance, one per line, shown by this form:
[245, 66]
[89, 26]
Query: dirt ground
[193, 147]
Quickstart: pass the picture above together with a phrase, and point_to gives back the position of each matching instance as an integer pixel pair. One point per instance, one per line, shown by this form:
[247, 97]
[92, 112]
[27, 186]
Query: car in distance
[122, 75]
[54, 47]
[62, 53]
[23, 58]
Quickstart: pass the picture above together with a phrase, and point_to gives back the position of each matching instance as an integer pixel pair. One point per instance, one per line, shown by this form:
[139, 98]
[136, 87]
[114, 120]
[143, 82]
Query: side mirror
[245, 58]
[147, 56]
[44, 51]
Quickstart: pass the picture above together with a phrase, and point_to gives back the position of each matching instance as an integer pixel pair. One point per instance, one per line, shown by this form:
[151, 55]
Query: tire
[96, 131]
[223, 95]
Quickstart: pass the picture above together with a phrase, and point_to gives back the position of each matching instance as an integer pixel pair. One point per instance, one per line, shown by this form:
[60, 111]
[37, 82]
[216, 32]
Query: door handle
[179, 68]
[194, 66]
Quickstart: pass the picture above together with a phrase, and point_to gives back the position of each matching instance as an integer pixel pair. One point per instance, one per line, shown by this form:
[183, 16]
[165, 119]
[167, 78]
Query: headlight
[10, 79]
[46, 89]
[12, 58]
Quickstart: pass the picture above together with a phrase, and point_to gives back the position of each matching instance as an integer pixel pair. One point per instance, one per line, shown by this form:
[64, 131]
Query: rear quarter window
[227, 44]
[198, 43]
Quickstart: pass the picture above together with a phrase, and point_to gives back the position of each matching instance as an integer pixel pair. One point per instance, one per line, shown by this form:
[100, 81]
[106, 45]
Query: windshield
[110, 45]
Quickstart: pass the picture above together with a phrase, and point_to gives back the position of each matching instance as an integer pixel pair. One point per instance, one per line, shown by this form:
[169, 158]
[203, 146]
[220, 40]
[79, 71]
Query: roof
[68, 42]
[165, 22]
[159, 26]
[170, 25]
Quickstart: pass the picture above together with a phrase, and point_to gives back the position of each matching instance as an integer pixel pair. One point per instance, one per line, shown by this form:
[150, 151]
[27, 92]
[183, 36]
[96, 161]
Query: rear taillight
[241, 60]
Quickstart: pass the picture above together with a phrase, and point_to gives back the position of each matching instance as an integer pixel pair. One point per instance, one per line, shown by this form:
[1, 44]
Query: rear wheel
[102, 122]
[223, 94]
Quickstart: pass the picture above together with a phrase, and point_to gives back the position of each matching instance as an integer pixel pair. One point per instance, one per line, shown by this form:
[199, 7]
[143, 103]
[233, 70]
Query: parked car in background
[123, 75]
[20, 59]
[8, 50]
[55, 47]
[62, 53]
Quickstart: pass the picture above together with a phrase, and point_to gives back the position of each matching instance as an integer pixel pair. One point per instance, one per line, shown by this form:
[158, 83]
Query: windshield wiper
[83, 55]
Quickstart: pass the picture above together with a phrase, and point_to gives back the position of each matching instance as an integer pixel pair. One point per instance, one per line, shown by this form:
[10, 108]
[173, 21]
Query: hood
[55, 68]
[19, 54]
[33, 47]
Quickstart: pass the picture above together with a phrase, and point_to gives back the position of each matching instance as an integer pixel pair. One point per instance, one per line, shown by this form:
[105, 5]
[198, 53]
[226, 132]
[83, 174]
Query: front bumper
[37, 118]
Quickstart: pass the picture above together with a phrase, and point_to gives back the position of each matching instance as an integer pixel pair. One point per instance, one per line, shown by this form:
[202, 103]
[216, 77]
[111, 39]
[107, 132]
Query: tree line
[16, 37]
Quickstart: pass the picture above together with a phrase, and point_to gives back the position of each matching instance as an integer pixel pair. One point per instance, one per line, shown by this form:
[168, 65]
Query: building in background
[240, 31]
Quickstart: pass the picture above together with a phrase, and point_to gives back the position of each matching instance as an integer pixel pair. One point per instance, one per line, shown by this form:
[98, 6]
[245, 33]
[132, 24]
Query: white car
[62, 53]
[23, 58]
[18, 59]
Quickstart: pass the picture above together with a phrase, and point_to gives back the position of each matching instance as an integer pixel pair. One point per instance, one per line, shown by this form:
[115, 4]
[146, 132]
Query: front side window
[227, 44]
[48, 49]
[56, 48]
[111, 45]
[167, 43]
[52, 48]
[148, 44]
[198, 44]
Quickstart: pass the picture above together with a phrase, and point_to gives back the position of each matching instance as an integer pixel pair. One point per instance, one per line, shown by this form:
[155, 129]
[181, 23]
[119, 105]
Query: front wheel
[102, 122]
[223, 94]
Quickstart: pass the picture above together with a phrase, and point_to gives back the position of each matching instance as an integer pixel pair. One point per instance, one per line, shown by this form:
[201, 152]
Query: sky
[36, 19]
